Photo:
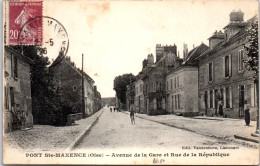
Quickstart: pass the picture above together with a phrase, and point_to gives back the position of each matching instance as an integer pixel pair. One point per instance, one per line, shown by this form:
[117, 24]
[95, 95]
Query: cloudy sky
[116, 36]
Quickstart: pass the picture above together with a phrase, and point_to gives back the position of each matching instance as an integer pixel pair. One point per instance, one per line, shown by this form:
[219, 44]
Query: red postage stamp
[19, 14]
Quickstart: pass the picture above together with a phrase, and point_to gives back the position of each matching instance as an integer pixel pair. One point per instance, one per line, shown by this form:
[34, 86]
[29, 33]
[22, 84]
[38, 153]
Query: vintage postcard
[130, 82]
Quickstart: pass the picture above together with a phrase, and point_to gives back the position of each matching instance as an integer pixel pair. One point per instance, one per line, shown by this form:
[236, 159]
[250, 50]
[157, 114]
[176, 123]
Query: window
[211, 71]
[172, 101]
[6, 98]
[241, 60]
[12, 96]
[227, 66]
[14, 66]
[179, 101]
[211, 99]
[171, 84]
[178, 81]
[227, 98]
[141, 88]
[175, 83]
[175, 101]
[157, 86]
[74, 88]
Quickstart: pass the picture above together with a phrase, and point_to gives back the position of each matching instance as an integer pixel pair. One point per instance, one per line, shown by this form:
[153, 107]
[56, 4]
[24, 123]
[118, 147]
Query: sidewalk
[49, 138]
[220, 128]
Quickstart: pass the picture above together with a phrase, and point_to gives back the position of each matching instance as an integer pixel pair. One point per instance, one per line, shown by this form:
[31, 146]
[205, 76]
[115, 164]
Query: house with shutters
[17, 90]
[182, 83]
[223, 79]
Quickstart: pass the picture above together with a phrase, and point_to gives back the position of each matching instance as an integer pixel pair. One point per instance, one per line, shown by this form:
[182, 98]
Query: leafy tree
[120, 84]
[251, 49]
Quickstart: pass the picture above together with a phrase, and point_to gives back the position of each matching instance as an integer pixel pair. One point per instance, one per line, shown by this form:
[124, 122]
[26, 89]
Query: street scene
[112, 81]
[114, 130]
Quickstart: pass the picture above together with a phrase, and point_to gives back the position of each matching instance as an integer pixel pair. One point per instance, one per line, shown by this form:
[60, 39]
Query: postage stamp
[19, 13]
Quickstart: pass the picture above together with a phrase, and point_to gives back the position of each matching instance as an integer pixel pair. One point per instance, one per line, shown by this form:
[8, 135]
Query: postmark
[20, 12]
[54, 40]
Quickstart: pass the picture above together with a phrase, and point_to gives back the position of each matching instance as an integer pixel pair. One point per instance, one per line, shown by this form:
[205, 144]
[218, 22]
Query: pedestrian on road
[247, 113]
[114, 109]
[132, 116]
[220, 108]
[110, 109]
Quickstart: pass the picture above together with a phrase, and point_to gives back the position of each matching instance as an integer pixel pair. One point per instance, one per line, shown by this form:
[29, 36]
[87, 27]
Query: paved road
[114, 130]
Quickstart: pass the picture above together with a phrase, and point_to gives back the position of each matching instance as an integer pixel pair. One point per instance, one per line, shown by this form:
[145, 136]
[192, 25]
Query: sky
[116, 36]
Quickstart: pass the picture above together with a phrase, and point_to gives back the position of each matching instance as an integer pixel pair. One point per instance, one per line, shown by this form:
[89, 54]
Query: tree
[251, 49]
[120, 84]
[48, 106]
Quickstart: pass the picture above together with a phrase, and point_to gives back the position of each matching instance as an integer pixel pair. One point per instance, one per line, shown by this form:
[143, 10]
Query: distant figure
[132, 116]
[110, 109]
[114, 109]
[220, 108]
[117, 109]
[247, 113]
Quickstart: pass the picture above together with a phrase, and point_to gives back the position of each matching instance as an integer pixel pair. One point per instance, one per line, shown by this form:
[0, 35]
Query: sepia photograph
[150, 82]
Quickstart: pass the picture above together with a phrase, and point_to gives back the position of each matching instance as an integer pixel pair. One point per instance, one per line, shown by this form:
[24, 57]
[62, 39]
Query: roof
[223, 43]
[194, 53]
[77, 70]
[21, 56]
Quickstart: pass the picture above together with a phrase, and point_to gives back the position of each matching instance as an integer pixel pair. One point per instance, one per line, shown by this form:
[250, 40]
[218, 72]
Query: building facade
[69, 78]
[152, 93]
[182, 83]
[17, 90]
[139, 95]
[224, 82]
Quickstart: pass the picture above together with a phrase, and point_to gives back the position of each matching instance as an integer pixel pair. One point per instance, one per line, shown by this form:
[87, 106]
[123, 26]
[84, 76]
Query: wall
[22, 89]
[220, 82]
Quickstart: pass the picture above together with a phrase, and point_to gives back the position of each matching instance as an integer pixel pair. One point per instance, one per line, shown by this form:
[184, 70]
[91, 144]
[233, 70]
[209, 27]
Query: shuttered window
[241, 63]
[211, 72]
[227, 66]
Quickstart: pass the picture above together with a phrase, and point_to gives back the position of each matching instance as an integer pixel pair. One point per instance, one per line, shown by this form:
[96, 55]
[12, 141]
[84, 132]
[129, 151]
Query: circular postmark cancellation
[47, 34]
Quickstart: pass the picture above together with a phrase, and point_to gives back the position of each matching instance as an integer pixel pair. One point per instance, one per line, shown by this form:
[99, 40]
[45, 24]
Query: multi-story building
[139, 95]
[223, 77]
[152, 77]
[182, 83]
[17, 90]
[69, 78]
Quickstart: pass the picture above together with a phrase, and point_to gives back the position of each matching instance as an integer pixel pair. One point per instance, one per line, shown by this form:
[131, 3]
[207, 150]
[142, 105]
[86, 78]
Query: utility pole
[83, 93]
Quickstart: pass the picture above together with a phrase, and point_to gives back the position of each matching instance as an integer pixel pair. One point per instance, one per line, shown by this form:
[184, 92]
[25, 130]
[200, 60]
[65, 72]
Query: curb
[246, 138]
[197, 132]
[82, 134]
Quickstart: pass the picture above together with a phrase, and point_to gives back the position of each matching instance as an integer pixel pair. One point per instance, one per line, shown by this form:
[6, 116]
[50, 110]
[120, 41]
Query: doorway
[206, 102]
[241, 100]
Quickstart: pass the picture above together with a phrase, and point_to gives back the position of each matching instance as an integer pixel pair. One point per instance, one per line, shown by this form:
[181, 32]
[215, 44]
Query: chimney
[185, 51]
[216, 38]
[159, 52]
[236, 23]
